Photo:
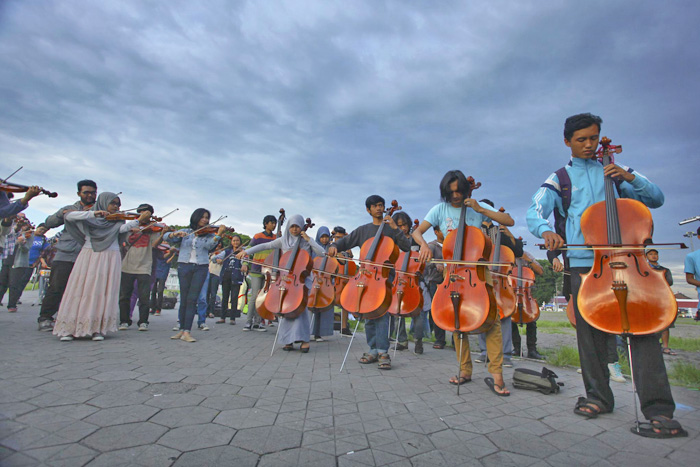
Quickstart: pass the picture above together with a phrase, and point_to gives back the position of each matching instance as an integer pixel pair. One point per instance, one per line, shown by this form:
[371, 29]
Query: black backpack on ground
[543, 382]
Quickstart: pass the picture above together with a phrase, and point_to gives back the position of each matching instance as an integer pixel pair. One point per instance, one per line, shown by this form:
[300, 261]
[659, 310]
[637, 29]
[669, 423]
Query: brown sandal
[384, 362]
[368, 358]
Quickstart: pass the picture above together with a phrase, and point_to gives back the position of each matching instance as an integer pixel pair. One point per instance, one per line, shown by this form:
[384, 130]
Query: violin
[212, 230]
[122, 216]
[407, 296]
[464, 302]
[622, 294]
[502, 289]
[288, 295]
[368, 294]
[270, 273]
[17, 188]
[527, 310]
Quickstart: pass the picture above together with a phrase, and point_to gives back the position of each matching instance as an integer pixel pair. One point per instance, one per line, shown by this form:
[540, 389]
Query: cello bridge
[618, 265]
[456, 277]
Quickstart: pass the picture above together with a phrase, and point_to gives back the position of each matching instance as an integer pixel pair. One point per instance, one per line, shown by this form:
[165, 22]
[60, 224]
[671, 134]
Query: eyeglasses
[92, 193]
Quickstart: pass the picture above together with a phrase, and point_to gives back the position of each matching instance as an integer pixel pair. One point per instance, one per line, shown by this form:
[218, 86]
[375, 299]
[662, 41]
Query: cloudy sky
[247, 107]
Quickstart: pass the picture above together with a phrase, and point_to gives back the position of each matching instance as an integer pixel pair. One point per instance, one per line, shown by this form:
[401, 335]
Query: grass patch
[684, 343]
[562, 356]
[685, 374]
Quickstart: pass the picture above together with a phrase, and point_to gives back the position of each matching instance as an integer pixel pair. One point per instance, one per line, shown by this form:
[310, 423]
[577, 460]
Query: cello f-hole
[600, 266]
[636, 263]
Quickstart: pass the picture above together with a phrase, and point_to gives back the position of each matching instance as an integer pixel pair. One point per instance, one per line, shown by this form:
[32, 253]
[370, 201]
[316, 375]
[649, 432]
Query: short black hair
[402, 216]
[579, 122]
[373, 200]
[339, 229]
[463, 186]
[269, 218]
[145, 207]
[488, 201]
[197, 216]
[698, 232]
[83, 183]
[236, 236]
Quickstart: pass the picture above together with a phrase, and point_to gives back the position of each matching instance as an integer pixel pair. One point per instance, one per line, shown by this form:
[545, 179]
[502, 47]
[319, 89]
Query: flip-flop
[665, 427]
[438, 346]
[492, 386]
[288, 348]
[668, 351]
[461, 380]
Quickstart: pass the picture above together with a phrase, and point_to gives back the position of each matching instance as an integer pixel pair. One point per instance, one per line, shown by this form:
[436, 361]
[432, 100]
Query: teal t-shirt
[445, 216]
[692, 266]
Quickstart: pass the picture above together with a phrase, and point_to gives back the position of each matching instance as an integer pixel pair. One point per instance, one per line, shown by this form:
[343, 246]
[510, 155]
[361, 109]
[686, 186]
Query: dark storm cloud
[248, 107]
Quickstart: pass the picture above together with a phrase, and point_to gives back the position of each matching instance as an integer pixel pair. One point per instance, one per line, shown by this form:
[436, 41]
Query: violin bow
[13, 173]
[621, 246]
[209, 225]
[161, 219]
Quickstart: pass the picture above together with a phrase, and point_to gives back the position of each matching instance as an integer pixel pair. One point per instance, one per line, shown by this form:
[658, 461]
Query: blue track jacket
[587, 188]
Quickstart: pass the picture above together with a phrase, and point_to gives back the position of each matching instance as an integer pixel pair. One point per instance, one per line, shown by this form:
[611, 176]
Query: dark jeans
[214, 281]
[650, 377]
[439, 333]
[157, 294]
[530, 334]
[5, 275]
[60, 272]
[191, 277]
[228, 289]
[126, 288]
[19, 277]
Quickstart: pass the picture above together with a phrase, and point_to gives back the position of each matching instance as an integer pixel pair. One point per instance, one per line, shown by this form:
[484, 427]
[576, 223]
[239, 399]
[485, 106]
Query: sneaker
[579, 371]
[259, 328]
[346, 332]
[203, 327]
[232, 322]
[480, 359]
[98, 337]
[271, 324]
[187, 337]
[157, 313]
[402, 346]
[178, 335]
[12, 310]
[418, 347]
[66, 338]
[616, 373]
[534, 354]
[176, 327]
[320, 339]
[123, 326]
[45, 325]
[508, 363]
[143, 327]
[247, 327]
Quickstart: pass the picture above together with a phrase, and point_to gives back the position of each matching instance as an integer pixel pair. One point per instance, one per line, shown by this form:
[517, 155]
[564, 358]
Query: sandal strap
[659, 421]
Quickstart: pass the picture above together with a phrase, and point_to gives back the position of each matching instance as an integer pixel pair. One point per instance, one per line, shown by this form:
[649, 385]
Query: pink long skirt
[90, 303]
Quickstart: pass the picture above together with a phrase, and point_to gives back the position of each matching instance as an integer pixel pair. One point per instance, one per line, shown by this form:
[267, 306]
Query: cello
[348, 269]
[288, 295]
[322, 292]
[622, 294]
[407, 296]
[463, 302]
[527, 310]
[368, 294]
[502, 289]
[270, 273]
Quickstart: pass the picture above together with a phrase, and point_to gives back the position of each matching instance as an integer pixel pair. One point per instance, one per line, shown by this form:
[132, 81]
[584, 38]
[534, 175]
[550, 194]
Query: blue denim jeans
[202, 301]
[377, 332]
[507, 335]
[192, 277]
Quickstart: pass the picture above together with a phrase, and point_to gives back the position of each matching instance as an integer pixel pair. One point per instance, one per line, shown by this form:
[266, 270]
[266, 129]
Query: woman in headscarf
[90, 305]
[192, 267]
[322, 318]
[298, 329]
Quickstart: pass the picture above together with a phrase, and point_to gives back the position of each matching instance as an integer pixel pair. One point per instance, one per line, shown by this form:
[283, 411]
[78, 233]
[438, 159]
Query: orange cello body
[570, 311]
[270, 273]
[288, 295]
[368, 294]
[464, 302]
[526, 310]
[502, 288]
[646, 304]
[322, 293]
[407, 296]
[347, 270]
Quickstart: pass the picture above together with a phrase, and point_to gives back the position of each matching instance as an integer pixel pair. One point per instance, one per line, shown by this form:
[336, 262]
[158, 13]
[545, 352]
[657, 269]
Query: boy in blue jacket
[584, 179]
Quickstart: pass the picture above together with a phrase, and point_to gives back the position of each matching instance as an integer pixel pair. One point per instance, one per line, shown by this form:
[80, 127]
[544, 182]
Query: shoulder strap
[564, 188]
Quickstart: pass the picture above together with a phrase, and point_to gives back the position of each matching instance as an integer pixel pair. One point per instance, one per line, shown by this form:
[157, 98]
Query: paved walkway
[139, 398]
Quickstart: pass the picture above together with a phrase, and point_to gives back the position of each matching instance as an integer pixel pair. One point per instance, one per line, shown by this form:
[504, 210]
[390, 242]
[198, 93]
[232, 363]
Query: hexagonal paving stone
[182, 416]
[125, 436]
[168, 401]
[264, 440]
[221, 455]
[246, 418]
[147, 456]
[298, 456]
[122, 415]
[193, 437]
